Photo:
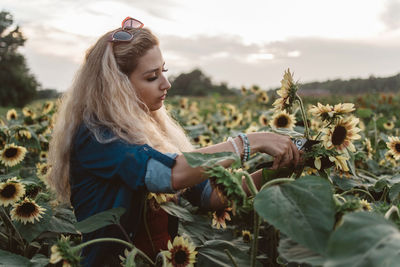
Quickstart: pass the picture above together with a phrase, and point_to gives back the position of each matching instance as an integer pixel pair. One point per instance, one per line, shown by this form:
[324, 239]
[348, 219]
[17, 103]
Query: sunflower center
[339, 135]
[265, 121]
[180, 257]
[13, 116]
[44, 170]
[11, 152]
[26, 209]
[219, 213]
[282, 122]
[8, 191]
[397, 147]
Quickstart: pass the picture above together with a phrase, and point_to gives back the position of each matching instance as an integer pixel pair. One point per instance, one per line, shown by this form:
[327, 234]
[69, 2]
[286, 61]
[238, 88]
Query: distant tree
[196, 83]
[17, 86]
[47, 93]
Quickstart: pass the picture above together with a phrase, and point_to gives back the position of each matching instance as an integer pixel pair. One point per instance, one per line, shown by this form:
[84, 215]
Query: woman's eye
[152, 79]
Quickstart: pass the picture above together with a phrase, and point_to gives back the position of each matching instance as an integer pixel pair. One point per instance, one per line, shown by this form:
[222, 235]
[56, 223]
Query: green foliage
[303, 210]
[17, 86]
[364, 239]
[100, 220]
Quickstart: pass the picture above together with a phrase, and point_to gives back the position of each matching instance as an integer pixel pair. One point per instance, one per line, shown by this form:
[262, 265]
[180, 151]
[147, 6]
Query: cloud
[225, 58]
[390, 15]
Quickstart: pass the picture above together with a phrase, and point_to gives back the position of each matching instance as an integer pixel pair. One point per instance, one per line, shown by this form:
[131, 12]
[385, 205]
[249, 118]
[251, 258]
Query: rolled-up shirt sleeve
[158, 175]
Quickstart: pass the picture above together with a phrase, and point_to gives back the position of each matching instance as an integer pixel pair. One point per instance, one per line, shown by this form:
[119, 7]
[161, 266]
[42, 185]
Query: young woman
[114, 142]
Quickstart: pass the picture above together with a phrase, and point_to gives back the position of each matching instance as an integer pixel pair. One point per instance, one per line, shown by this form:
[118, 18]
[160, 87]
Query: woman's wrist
[256, 141]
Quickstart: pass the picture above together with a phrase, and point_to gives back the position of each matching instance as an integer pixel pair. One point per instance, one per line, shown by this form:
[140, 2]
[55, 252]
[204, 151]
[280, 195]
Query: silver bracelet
[230, 139]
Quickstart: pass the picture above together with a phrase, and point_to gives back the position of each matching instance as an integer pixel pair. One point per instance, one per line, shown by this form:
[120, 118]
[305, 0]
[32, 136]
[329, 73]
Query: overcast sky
[237, 42]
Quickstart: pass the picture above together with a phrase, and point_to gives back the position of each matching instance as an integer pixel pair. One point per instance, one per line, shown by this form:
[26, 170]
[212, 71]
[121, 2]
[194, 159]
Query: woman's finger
[277, 161]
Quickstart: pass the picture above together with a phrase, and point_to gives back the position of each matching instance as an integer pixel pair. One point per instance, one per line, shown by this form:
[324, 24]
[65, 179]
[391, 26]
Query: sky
[241, 43]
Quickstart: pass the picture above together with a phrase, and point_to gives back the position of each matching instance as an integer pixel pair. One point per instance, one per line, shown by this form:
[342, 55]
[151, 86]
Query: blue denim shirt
[118, 174]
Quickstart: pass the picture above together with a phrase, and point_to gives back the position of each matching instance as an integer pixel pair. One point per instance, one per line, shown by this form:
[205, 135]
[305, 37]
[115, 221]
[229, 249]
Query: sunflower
[341, 135]
[12, 115]
[43, 155]
[26, 211]
[194, 107]
[47, 107]
[340, 162]
[389, 125]
[27, 112]
[389, 156]
[180, 253]
[193, 122]
[283, 119]
[263, 120]
[42, 169]
[324, 112]
[365, 205]
[183, 103]
[394, 146]
[62, 251]
[343, 108]
[219, 218]
[11, 191]
[246, 235]
[368, 148]
[160, 197]
[205, 140]
[12, 154]
[23, 134]
[263, 98]
[287, 92]
[234, 120]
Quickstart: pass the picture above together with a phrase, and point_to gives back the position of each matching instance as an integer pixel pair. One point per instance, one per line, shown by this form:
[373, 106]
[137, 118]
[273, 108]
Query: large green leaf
[364, 239]
[394, 192]
[212, 254]
[294, 252]
[304, 210]
[100, 220]
[10, 259]
[177, 211]
[196, 159]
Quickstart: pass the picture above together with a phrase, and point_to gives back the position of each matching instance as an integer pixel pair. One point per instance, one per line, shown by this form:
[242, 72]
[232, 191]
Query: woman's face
[148, 79]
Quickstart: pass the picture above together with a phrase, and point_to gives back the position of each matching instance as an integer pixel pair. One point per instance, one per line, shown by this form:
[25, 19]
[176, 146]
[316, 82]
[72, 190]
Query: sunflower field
[340, 207]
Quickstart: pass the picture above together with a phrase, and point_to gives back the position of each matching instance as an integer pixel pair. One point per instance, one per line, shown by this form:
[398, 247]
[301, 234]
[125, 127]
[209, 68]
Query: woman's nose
[166, 84]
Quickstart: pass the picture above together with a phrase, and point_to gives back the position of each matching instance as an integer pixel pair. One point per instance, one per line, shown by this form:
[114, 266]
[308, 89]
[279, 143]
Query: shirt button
[145, 149]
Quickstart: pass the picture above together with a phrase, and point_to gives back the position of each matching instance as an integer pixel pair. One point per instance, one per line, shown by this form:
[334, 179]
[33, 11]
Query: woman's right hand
[280, 147]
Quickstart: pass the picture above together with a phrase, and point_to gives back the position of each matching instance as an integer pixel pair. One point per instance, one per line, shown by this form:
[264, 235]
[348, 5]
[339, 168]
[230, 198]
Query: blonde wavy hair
[102, 95]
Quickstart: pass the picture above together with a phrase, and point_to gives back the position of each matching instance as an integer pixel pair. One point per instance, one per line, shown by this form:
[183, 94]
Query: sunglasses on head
[122, 35]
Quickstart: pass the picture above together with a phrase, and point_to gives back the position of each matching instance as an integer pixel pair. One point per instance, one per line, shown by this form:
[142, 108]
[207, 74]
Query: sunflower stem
[231, 257]
[368, 173]
[254, 245]
[250, 184]
[7, 221]
[358, 190]
[276, 181]
[116, 240]
[304, 116]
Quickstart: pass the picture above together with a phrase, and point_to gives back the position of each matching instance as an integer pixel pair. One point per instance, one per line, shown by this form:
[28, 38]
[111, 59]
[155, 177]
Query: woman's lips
[163, 97]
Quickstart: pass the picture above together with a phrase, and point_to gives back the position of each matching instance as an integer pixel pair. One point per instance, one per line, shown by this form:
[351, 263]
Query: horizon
[318, 41]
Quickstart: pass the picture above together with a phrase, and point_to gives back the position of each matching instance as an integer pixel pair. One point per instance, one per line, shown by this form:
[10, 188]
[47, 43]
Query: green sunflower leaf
[364, 239]
[304, 210]
[100, 220]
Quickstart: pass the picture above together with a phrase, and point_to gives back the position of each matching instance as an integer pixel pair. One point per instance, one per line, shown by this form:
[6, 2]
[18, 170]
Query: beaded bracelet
[246, 147]
[230, 139]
